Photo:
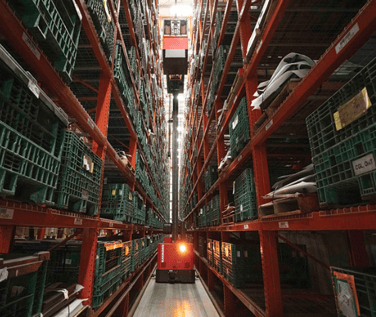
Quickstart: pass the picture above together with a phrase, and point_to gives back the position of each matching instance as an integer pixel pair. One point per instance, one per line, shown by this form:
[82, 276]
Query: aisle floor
[175, 300]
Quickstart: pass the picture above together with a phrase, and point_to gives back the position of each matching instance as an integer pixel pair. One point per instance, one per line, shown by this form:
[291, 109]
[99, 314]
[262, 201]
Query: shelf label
[6, 213]
[246, 226]
[31, 45]
[111, 224]
[90, 123]
[364, 164]
[347, 37]
[283, 225]
[78, 221]
[267, 127]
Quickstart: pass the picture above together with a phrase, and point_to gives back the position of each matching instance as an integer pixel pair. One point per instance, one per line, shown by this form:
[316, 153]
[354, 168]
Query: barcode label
[284, 225]
[6, 213]
[78, 221]
[347, 37]
[267, 127]
[31, 45]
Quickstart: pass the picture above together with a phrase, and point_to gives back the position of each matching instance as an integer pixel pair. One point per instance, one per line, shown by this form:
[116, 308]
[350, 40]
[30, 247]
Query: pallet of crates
[117, 202]
[134, 64]
[239, 129]
[354, 291]
[211, 176]
[108, 271]
[56, 27]
[216, 211]
[104, 24]
[149, 218]
[217, 255]
[342, 136]
[139, 209]
[32, 130]
[209, 215]
[123, 79]
[244, 191]
[233, 264]
[201, 246]
[209, 252]
[79, 178]
[136, 254]
[22, 287]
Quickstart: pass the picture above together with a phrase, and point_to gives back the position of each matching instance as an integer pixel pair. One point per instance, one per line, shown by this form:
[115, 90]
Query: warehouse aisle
[177, 300]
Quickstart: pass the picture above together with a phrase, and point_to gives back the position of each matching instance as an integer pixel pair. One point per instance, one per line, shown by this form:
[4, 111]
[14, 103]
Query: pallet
[297, 203]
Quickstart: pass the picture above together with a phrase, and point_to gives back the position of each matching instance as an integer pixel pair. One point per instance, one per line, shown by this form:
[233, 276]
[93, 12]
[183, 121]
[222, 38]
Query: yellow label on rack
[126, 250]
[113, 192]
[352, 110]
[130, 196]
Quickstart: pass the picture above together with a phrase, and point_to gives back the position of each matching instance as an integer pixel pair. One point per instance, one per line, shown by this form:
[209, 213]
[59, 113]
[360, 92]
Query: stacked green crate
[134, 64]
[233, 264]
[55, 26]
[215, 211]
[141, 173]
[123, 80]
[136, 254]
[217, 255]
[239, 129]
[211, 176]
[104, 24]
[202, 218]
[149, 218]
[80, 176]
[117, 202]
[22, 294]
[139, 209]
[32, 132]
[209, 252]
[244, 191]
[143, 249]
[219, 65]
[108, 271]
[126, 259]
[342, 139]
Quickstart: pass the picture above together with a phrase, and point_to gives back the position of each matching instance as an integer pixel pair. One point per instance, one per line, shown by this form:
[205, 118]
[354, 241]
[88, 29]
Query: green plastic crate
[244, 191]
[80, 176]
[104, 24]
[239, 129]
[26, 169]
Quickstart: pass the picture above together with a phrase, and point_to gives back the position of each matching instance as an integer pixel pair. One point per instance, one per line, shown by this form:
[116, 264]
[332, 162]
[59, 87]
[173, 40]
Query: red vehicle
[175, 262]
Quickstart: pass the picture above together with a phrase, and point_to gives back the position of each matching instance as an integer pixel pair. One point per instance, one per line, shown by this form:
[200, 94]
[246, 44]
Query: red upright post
[6, 238]
[270, 270]
[359, 257]
[87, 263]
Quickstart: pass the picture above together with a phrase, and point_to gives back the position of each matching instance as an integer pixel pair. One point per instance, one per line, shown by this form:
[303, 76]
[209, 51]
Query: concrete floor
[175, 300]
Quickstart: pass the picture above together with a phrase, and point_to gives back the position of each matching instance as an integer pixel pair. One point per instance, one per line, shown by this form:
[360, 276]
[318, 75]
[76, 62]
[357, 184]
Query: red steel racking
[201, 149]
